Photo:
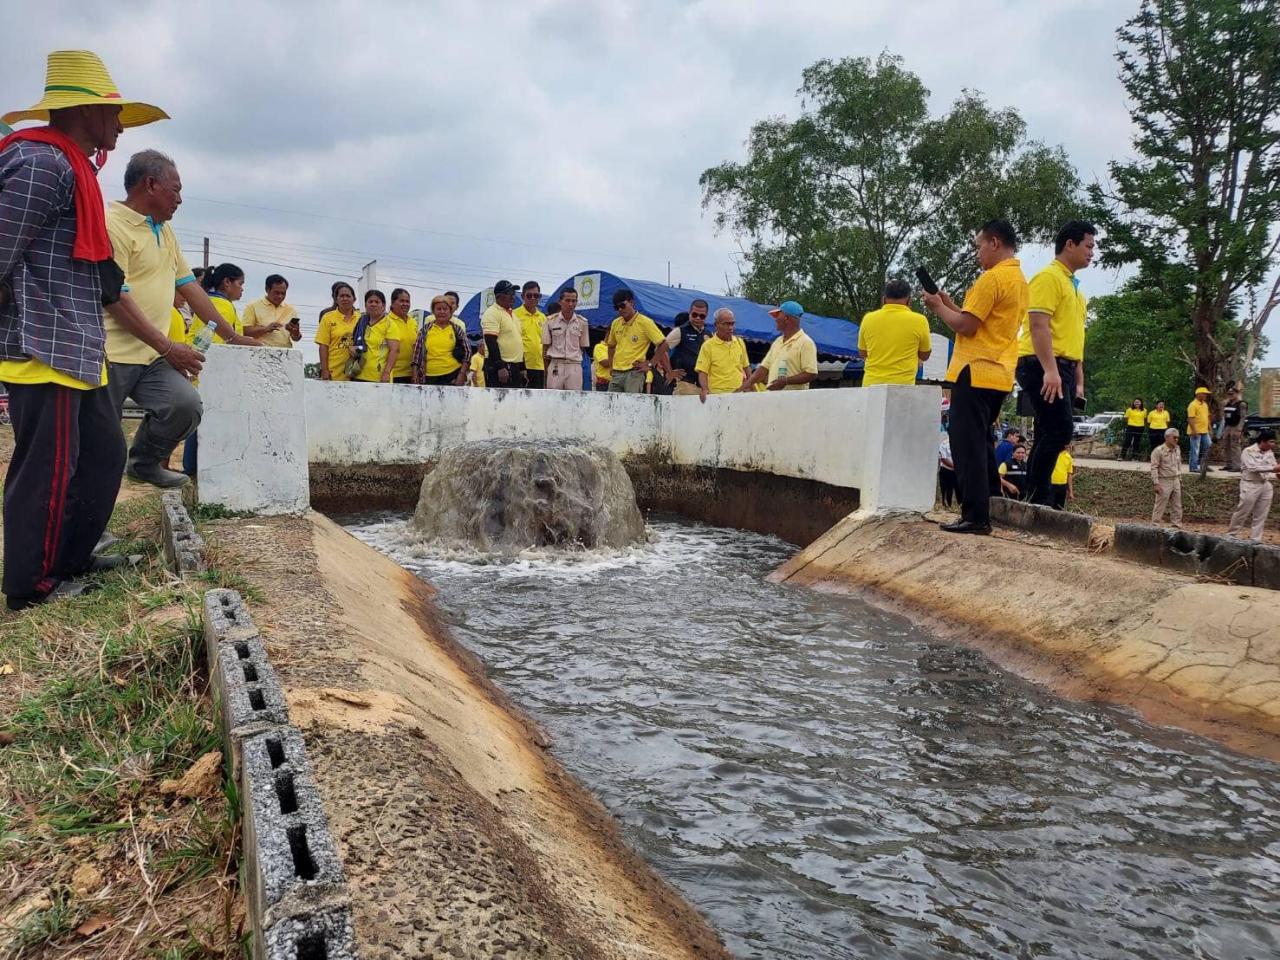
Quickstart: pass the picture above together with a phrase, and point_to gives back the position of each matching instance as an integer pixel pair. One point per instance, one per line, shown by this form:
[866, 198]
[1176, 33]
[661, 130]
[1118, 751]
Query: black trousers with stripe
[62, 483]
[973, 411]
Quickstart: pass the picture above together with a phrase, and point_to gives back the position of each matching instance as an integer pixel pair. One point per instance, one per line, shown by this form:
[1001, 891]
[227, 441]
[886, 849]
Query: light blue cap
[789, 307]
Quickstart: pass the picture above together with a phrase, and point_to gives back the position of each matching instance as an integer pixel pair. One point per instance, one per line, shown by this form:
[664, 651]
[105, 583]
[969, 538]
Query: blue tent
[834, 337]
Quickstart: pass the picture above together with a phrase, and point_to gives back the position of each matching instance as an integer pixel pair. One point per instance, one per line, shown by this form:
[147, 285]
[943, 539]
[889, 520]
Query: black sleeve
[492, 357]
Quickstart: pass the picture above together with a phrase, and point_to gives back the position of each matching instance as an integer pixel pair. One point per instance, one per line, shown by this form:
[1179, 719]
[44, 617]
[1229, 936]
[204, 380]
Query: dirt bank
[460, 835]
[1202, 656]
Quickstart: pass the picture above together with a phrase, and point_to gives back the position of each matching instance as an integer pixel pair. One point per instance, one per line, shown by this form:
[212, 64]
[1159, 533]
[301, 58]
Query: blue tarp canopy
[834, 337]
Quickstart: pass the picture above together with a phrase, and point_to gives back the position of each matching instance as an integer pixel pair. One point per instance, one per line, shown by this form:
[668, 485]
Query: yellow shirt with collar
[336, 332]
[227, 310]
[153, 265]
[438, 358]
[1197, 417]
[998, 298]
[631, 339]
[722, 361]
[1135, 418]
[1062, 469]
[378, 338]
[599, 355]
[800, 354]
[1053, 291]
[501, 323]
[531, 324]
[405, 329]
[893, 338]
[1158, 420]
[477, 369]
[262, 313]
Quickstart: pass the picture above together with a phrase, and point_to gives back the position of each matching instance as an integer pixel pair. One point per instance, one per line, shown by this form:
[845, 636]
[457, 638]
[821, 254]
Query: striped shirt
[54, 313]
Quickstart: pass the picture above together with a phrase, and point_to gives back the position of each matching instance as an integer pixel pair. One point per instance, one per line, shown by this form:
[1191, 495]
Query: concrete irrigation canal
[786, 719]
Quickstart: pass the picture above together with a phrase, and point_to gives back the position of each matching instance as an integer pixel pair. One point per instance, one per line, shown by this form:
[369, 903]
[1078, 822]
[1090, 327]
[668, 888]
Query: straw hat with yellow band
[77, 78]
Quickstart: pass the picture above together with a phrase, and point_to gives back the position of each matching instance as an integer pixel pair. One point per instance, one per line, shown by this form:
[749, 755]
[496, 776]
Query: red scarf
[92, 242]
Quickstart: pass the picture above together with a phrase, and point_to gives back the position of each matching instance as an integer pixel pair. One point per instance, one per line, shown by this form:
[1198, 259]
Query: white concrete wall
[880, 440]
[253, 436]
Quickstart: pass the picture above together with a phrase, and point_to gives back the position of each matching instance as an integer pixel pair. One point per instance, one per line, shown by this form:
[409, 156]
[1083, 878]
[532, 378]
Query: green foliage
[1198, 207]
[1137, 347]
[865, 185]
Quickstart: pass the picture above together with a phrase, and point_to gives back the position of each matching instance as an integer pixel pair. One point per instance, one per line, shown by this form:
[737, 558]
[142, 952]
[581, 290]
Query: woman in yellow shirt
[440, 353]
[405, 329]
[334, 336]
[1135, 425]
[224, 284]
[1157, 424]
[374, 347]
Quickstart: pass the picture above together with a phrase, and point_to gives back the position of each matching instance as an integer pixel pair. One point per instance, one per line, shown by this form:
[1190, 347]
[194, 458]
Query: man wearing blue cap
[792, 360]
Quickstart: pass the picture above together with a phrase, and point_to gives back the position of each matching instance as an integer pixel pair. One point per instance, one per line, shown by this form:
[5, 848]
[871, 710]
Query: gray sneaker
[155, 475]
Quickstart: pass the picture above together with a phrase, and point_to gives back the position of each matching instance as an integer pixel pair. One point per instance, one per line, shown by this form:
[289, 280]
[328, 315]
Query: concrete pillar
[899, 452]
[253, 438]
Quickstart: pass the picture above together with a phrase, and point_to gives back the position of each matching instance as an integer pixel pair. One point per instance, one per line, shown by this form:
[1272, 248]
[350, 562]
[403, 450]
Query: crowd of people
[98, 306]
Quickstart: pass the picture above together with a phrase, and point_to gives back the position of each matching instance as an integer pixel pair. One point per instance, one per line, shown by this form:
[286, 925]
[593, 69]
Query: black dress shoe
[967, 526]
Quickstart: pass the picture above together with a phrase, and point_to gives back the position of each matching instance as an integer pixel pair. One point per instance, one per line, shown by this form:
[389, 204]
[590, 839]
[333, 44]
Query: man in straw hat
[56, 272]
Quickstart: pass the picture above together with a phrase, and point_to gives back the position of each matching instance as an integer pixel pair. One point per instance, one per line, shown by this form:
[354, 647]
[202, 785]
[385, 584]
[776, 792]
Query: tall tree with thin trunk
[1200, 203]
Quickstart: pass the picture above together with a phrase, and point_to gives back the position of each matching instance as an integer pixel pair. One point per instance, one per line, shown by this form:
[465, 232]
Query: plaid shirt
[55, 311]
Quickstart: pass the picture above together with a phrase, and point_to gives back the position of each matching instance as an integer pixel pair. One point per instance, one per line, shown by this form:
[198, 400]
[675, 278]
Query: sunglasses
[533, 295]
[697, 316]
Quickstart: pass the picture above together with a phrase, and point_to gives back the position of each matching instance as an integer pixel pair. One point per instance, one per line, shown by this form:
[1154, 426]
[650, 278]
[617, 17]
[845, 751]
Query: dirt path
[460, 835]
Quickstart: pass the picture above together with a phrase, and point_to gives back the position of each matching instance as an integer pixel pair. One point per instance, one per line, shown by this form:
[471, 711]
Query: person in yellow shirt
[1198, 429]
[405, 329]
[1062, 480]
[792, 360]
[224, 284]
[440, 354]
[628, 340]
[531, 321]
[1050, 368]
[600, 372]
[722, 365]
[337, 328]
[270, 320]
[503, 339]
[1135, 425]
[982, 366]
[476, 377]
[1157, 424]
[894, 340]
[374, 348]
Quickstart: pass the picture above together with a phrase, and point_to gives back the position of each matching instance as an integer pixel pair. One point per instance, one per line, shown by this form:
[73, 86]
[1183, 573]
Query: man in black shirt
[683, 342]
[1234, 410]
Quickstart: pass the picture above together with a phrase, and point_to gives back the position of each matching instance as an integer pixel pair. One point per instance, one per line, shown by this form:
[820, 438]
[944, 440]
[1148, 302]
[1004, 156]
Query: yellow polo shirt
[33, 372]
[477, 369]
[893, 338]
[600, 354]
[1062, 468]
[1197, 417]
[1135, 418]
[1158, 420]
[630, 340]
[1053, 291]
[438, 349]
[497, 322]
[153, 265]
[406, 331]
[800, 354]
[378, 338]
[335, 333]
[998, 298]
[531, 324]
[722, 361]
[262, 313]
[228, 311]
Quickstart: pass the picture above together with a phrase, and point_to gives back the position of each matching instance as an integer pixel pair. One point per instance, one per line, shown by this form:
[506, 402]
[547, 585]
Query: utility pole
[206, 253]
[668, 273]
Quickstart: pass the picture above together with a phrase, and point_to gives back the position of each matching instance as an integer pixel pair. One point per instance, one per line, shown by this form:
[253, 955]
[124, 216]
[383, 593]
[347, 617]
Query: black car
[1256, 422]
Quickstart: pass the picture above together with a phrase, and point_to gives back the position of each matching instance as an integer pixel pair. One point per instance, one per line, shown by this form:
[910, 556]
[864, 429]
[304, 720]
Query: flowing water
[823, 780]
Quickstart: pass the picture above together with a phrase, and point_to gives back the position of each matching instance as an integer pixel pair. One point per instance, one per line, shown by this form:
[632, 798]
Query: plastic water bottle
[782, 370]
[203, 340]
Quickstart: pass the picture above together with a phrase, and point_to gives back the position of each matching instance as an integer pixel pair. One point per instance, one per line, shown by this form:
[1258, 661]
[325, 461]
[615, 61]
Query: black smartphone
[926, 280]
[1079, 403]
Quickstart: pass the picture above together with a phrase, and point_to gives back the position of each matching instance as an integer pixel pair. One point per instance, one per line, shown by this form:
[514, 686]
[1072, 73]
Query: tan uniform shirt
[1256, 466]
[565, 339]
[1166, 462]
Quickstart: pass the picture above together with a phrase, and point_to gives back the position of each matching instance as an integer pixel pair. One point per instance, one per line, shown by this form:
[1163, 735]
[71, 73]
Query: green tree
[1202, 198]
[864, 184]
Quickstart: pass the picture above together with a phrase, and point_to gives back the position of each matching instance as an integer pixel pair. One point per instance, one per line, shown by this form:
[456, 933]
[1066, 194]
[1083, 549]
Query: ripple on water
[824, 780]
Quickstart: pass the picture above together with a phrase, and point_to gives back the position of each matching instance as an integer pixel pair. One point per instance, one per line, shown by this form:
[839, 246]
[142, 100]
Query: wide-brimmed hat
[77, 78]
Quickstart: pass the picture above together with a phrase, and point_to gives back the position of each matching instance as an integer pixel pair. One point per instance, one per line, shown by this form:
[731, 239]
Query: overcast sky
[463, 143]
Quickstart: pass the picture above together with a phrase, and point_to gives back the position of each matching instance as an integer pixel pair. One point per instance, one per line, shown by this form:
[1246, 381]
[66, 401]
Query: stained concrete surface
[460, 836]
[1200, 655]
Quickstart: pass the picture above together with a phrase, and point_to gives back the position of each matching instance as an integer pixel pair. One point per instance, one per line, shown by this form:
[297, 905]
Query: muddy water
[825, 781]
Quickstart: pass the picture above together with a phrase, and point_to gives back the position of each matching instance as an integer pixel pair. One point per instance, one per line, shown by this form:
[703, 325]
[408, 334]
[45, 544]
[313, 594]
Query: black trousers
[947, 485]
[1059, 496]
[515, 374]
[1053, 424]
[536, 379]
[973, 411]
[1132, 445]
[443, 379]
[62, 483]
[1154, 438]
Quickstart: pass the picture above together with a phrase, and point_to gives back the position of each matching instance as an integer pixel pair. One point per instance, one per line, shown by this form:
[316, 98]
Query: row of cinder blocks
[296, 890]
[1200, 554]
[183, 547]
[1033, 518]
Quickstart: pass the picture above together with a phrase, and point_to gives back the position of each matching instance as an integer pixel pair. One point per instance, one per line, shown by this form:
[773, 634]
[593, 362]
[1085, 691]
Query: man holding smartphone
[1051, 352]
[981, 369]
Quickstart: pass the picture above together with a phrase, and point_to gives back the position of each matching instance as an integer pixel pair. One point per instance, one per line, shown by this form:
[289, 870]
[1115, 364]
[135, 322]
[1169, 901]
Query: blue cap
[790, 308]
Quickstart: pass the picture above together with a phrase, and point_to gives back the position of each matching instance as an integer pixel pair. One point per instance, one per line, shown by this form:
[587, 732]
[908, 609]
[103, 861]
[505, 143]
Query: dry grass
[104, 699]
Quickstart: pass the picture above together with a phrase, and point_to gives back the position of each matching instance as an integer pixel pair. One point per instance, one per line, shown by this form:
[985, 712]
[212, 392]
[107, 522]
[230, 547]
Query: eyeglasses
[533, 295]
[697, 316]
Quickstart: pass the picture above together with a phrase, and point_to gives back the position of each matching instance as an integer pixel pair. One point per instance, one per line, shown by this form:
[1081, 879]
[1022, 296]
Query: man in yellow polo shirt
[981, 369]
[629, 338]
[792, 360]
[503, 339]
[143, 363]
[1051, 352]
[1198, 430]
[270, 320]
[722, 365]
[894, 340]
[532, 320]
